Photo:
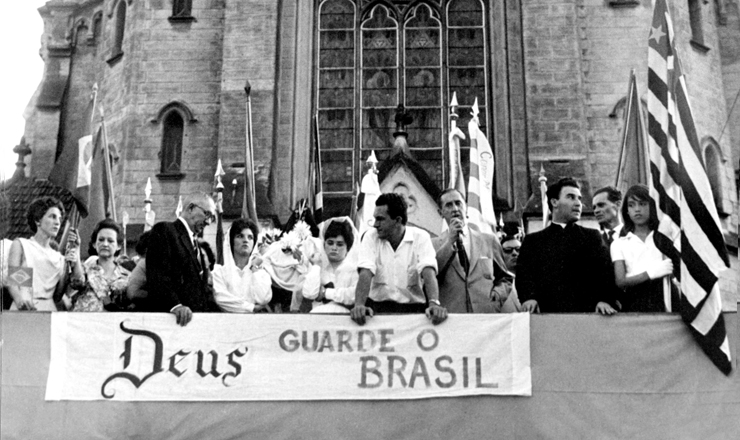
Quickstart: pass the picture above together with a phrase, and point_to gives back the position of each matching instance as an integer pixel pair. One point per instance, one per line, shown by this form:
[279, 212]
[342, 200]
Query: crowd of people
[393, 268]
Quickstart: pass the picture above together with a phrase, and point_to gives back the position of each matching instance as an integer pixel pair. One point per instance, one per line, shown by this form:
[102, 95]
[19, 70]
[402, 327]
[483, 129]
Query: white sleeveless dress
[48, 266]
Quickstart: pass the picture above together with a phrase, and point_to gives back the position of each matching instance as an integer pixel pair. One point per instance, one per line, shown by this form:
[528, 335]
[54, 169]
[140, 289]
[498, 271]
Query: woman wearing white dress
[331, 282]
[241, 285]
[45, 216]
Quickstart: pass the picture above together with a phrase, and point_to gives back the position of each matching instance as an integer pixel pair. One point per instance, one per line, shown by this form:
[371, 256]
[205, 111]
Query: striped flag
[316, 179]
[480, 183]
[689, 231]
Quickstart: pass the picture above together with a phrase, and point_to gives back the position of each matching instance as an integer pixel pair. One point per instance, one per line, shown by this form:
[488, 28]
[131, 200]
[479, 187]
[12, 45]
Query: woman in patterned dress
[105, 282]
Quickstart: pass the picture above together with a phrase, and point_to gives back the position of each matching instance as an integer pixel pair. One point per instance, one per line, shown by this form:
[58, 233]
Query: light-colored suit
[487, 284]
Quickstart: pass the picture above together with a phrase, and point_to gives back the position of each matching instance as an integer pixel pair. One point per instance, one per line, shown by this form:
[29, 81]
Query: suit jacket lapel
[186, 242]
[456, 262]
[474, 251]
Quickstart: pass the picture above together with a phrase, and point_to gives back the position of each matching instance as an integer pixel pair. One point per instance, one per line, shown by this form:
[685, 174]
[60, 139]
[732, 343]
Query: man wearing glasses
[176, 271]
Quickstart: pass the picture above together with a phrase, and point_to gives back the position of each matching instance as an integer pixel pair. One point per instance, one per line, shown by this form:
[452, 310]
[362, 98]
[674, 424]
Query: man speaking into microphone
[472, 274]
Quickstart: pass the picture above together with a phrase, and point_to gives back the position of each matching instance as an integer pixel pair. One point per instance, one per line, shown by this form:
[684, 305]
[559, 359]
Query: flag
[353, 207]
[370, 189]
[73, 169]
[480, 183]
[543, 197]
[178, 208]
[316, 190]
[689, 232]
[633, 159]
[98, 203]
[457, 179]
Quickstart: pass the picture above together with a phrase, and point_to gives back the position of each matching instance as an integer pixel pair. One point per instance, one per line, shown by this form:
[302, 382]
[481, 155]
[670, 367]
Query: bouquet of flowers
[266, 238]
[289, 257]
[291, 242]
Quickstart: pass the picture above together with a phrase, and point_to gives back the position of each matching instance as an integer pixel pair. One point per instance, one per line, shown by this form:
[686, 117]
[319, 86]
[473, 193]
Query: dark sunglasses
[511, 249]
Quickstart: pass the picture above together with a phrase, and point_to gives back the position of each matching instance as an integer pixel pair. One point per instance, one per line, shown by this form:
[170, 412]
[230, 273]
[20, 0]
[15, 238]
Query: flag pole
[220, 213]
[124, 223]
[149, 215]
[543, 196]
[249, 207]
[317, 177]
[106, 159]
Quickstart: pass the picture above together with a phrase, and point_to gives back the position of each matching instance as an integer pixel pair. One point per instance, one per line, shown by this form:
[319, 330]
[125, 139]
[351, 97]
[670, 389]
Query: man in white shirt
[395, 259]
[607, 202]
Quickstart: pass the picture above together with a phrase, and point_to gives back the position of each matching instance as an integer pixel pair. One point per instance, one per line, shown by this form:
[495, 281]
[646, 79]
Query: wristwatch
[435, 301]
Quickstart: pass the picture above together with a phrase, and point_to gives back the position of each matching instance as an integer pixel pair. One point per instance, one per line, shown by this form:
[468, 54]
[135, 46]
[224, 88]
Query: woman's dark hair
[143, 244]
[642, 193]
[105, 224]
[209, 253]
[307, 216]
[343, 228]
[39, 207]
[238, 226]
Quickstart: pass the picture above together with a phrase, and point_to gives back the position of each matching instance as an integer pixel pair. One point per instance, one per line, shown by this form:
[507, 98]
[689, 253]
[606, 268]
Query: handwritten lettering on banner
[133, 357]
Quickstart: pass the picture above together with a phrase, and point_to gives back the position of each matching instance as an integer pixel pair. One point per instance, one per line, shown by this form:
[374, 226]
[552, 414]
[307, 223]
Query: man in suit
[472, 273]
[176, 271]
[565, 268]
[607, 201]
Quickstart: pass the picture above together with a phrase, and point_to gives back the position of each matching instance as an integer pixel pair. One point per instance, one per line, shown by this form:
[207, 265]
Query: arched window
[173, 129]
[97, 24]
[120, 23]
[374, 56]
[714, 165]
[80, 32]
[174, 119]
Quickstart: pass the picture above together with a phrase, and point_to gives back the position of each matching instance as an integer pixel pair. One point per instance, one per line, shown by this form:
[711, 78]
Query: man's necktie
[609, 236]
[462, 255]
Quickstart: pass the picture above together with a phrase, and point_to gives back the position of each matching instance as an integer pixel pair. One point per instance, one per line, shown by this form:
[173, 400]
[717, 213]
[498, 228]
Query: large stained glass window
[374, 56]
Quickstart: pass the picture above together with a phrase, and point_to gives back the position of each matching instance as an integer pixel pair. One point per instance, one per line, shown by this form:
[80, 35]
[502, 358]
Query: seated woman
[45, 216]
[639, 267]
[105, 281]
[241, 285]
[331, 282]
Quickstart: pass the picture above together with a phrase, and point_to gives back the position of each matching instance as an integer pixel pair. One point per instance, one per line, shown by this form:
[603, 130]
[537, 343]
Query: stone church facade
[550, 77]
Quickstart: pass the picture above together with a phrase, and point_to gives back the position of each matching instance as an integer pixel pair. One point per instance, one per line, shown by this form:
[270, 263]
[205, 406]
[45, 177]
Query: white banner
[138, 356]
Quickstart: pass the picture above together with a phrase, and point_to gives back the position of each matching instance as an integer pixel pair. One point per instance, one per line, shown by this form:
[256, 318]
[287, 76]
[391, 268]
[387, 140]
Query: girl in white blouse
[331, 281]
[639, 267]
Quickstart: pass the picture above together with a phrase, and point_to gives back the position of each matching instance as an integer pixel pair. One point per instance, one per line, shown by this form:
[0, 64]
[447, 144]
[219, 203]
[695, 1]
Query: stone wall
[249, 53]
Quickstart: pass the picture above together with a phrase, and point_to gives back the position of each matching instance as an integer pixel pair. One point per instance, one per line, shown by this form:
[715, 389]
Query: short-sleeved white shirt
[397, 274]
[637, 255]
